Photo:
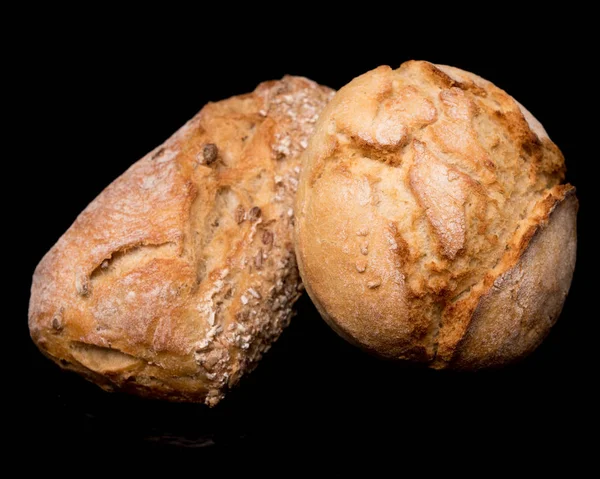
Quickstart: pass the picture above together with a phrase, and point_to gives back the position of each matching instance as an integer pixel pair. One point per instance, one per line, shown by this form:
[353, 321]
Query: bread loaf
[174, 281]
[432, 223]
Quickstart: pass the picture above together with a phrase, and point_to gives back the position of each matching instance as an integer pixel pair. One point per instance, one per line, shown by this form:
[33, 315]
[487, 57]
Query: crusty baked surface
[431, 220]
[181, 273]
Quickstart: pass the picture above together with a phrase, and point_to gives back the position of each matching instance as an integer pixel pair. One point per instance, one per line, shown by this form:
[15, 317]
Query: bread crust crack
[466, 177]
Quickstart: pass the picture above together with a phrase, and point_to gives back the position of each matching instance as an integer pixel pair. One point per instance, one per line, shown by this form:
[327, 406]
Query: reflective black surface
[313, 389]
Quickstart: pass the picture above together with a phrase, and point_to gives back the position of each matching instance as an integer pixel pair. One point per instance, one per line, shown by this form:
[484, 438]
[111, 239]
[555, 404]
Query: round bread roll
[179, 275]
[431, 222]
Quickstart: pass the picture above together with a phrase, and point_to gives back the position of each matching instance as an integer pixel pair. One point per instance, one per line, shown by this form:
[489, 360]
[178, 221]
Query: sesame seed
[258, 259]
[254, 213]
[254, 293]
[210, 152]
[267, 237]
[240, 214]
[57, 323]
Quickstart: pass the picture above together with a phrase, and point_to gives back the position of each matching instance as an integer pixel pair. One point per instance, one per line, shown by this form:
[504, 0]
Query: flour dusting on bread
[178, 277]
[421, 186]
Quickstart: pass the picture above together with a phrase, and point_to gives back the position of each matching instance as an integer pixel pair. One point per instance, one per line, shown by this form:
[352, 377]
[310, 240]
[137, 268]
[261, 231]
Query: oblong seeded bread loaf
[181, 273]
[431, 222]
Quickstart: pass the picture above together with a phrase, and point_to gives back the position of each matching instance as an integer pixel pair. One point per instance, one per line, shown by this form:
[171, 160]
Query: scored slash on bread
[431, 223]
[181, 273]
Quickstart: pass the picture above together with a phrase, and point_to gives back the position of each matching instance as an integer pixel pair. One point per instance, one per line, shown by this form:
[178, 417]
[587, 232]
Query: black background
[100, 92]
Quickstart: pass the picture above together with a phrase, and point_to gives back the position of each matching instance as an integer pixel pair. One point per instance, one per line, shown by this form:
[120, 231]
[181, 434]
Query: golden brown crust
[176, 279]
[528, 297]
[422, 186]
